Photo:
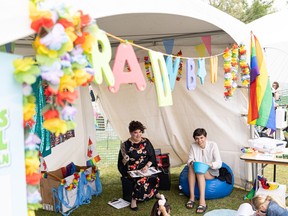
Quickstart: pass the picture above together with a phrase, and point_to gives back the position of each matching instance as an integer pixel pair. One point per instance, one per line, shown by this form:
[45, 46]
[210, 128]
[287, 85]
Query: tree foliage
[241, 10]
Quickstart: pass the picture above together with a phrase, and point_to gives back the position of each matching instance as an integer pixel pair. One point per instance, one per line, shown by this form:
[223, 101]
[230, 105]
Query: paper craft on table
[119, 203]
[139, 173]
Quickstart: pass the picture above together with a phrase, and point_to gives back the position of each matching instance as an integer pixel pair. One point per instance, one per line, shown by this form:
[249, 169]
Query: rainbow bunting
[261, 110]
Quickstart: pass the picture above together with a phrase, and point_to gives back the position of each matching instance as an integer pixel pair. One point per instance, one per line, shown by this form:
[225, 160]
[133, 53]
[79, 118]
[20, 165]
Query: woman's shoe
[133, 205]
[134, 208]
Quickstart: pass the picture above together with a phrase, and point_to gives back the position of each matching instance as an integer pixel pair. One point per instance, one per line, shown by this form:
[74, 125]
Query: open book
[139, 173]
[119, 203]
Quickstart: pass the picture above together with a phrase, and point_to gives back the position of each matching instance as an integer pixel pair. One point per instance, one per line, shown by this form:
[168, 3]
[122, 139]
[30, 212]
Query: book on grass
[139, 173]
[119, 203]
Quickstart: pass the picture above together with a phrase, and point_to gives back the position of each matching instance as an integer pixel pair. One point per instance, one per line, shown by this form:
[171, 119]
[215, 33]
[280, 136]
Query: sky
[280, 4]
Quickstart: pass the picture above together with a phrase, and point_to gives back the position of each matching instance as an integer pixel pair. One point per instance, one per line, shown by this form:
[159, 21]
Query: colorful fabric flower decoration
[31, 142]
[32, 165]
[67, 82]
[50, 114]
[26, 70]
[147, 65]
[33, 179]
[179, 74]
[56, 126]
[52, 73]
[227, 73]
[81, 77]
[66, 96]
[68, 113]
[55, 38]
[245, 71]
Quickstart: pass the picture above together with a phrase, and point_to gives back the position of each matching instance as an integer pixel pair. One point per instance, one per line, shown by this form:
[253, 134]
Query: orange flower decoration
[49, 114]
[66, 96]
[42, 22]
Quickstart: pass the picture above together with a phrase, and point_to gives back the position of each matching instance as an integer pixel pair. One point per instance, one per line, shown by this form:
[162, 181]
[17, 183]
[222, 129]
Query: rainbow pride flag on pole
[261, 110]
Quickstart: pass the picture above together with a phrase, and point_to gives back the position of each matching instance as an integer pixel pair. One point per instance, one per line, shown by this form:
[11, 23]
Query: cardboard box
[63, 191]
[59, 194]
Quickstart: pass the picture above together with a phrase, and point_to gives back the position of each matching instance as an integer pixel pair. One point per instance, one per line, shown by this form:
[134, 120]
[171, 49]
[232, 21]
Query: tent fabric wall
[75, 149]
[170, 128]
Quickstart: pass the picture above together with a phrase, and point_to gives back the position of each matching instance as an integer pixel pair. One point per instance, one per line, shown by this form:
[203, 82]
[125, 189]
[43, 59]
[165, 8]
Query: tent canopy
[273, 36]
[169, 128]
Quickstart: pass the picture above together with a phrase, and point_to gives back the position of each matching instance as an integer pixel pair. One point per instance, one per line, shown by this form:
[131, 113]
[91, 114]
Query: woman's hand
[145, 169]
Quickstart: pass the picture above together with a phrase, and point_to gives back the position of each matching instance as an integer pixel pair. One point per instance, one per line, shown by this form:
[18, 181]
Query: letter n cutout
[125, 53]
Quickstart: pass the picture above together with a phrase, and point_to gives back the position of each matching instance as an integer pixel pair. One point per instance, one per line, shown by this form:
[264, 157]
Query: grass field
[112, 188]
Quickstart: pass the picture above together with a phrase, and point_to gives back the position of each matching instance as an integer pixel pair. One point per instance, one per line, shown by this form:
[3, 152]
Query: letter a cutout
[160, 73]
[100, 59]
[125, 53]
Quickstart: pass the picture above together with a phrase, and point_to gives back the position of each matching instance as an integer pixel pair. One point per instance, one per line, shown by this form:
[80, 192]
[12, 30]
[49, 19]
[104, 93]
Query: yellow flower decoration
[32, 165]
[41, 49]
[29, 111]
[81, 76]
[35, 13]
[55, 125]
[87, 45]
[26, 70]
[67, 82]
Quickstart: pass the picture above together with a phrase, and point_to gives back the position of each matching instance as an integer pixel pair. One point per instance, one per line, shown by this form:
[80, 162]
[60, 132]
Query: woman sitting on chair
[207, 152]
[137, 153]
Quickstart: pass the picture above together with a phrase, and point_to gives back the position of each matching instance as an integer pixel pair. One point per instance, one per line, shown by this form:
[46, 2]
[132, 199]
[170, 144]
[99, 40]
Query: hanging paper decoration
[201, 70]
[227, 73]
[245, 71]
[92, 155]
[168, 44]
[200, 49]
[207, 42]
[213, 69]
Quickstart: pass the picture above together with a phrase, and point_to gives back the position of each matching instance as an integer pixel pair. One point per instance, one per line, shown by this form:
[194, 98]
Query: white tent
[169, 128]
[273, 36]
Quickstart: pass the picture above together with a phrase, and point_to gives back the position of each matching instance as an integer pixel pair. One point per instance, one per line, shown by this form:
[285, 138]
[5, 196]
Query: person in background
[161, 207]
[137, 153]
[269, 206]
[207, 152]
[275, 93]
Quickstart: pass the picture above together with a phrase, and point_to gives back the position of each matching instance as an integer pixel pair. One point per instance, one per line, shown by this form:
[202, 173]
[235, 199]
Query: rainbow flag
[261, 110]
[92, 155]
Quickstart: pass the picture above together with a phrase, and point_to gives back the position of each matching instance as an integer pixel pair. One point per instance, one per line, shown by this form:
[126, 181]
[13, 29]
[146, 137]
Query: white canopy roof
[169, 128]
[273, 36]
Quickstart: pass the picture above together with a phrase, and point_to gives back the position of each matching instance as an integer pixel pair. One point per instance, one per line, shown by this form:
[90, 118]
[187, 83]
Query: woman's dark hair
[136, 125]
[154, 211]
[277, 85]
[199, 132]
